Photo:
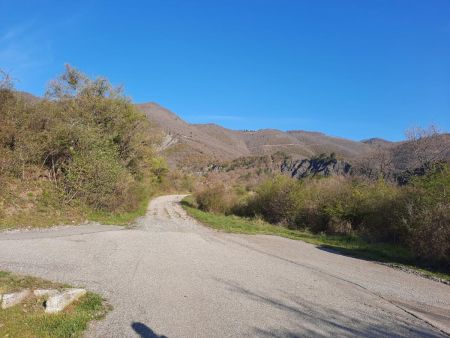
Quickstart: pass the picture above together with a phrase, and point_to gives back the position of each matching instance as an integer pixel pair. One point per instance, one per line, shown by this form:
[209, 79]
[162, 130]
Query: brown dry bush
[275, 200]
[217, 198]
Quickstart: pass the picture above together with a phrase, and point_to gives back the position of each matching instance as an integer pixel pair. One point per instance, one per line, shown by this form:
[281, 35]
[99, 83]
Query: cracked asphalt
[170, 277]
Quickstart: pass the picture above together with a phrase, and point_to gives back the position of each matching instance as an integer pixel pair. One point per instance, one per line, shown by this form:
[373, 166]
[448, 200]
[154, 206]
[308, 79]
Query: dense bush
[378, 210]
[276, 200]
[430, 237]
[326, 205]
[85, 136]
[219, 198]
[216, 198]
[429, 220]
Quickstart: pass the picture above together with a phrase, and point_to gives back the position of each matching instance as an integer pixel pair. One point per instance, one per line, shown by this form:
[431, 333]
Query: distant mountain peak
[376, 141]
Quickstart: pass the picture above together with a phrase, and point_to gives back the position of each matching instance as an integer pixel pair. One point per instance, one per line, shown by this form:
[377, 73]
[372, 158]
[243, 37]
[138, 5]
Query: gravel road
[169, 276]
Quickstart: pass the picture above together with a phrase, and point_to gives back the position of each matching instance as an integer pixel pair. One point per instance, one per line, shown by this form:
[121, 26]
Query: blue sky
[356, 69]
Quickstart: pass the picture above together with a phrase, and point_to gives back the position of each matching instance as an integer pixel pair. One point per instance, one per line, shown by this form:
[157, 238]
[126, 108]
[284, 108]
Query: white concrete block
[60, 301]
[11, 299]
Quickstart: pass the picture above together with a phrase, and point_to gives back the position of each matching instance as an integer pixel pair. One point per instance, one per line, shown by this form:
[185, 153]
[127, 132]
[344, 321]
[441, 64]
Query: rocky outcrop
[323, 165]
[320, 166]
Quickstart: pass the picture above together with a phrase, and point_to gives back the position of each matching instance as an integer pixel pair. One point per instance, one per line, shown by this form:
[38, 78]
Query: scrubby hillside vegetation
[415, 216]
[82, 150]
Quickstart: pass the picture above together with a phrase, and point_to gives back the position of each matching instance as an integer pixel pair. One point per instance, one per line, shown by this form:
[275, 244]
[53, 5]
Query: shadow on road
[144, 331]
[314, 320]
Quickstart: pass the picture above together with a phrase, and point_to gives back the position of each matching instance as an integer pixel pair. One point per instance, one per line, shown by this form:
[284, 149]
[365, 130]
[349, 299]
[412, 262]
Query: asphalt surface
[170, 276]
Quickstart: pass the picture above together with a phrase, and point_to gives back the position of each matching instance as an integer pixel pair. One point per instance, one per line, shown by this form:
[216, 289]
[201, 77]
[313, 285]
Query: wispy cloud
[27, 47]
[16, 31]
[24, 49]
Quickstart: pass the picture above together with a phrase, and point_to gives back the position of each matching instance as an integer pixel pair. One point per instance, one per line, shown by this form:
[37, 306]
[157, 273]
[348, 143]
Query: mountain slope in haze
[189, 145]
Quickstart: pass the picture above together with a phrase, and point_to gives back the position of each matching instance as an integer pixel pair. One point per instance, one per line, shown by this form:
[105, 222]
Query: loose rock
[11, 299]
[60, 301]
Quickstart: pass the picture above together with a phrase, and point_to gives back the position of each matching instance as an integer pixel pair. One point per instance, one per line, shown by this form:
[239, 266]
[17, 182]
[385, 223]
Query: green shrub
[378, 211]
[85, 137]
[97, 178]
[275, 200]
[429, 219]
[214, 199]
[325, 204]
[430, 237]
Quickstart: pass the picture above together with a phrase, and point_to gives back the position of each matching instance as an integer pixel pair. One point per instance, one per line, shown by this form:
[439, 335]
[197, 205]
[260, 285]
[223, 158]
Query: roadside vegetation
[408, 224]
[345, 244]
[28, 319]
[82, 152]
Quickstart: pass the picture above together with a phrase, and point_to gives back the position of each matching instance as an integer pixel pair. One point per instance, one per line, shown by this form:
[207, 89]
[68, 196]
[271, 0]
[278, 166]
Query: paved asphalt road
[171, 277]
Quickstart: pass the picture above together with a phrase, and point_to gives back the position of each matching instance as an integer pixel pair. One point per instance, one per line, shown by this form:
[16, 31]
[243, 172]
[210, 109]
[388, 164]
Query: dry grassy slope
[230, 139]
[320, 143]
[269, 141]
[199, 144]
[189, 144]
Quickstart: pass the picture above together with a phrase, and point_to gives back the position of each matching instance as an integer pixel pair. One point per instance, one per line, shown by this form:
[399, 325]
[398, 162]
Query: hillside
[82, 152]
[187, 145]
[195, 145]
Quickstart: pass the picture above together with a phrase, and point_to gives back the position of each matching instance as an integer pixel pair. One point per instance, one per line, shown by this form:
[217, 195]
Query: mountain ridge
[199, 144]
